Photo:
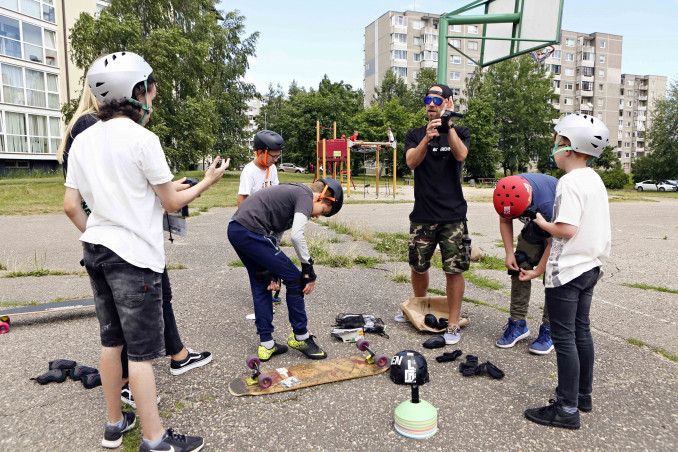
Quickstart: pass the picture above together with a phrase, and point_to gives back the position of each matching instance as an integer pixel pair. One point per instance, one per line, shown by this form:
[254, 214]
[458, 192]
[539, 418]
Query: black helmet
[266, 140]
[338, 194]
[409, 368]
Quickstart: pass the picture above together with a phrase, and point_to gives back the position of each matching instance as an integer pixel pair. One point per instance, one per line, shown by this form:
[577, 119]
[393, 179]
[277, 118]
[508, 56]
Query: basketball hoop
[539, 57]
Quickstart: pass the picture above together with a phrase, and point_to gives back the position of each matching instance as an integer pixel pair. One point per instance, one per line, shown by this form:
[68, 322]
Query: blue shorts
[128, 303]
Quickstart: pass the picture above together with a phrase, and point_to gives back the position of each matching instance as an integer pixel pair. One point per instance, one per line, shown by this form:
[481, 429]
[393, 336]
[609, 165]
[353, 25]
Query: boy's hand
[526, 275]
[309, 287]
[275, 285]
[510, 262]
[214, 172]
[540, 220]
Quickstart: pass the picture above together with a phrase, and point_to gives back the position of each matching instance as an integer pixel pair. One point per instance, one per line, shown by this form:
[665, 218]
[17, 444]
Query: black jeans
[173, 344]
[568, 307]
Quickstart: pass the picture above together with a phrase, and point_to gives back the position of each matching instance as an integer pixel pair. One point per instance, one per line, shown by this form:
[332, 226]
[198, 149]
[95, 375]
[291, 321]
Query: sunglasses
[437, 101]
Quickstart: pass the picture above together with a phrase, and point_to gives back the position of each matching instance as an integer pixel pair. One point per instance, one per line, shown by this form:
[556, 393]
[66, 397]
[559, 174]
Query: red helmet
[512, 196]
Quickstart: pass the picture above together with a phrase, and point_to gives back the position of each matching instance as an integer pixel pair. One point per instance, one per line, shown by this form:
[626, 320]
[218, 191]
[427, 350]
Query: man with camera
[436, 153]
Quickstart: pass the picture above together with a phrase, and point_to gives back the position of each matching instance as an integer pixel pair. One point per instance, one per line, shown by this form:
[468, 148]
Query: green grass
[661, 351]
[236, 264]
[491, 263]
[646, 287]
[177, 267]
[437, 292]
[476, 233]
[42, 272]
[480, 281]
[400, 277]
[285, 243]
[393, 245]
[635, 342]
[367, 262]
[2, 267]
[485, 303]
[356, 232]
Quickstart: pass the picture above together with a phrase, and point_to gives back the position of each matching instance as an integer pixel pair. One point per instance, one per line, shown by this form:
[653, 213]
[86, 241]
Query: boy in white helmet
[580, 245]
[119, 169]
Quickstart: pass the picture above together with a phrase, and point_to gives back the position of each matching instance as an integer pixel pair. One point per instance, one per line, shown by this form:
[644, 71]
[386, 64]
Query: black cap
[447, 92]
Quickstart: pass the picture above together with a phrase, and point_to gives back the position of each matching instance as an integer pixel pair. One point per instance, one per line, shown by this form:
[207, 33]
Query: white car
[291, 168]
[651, 186]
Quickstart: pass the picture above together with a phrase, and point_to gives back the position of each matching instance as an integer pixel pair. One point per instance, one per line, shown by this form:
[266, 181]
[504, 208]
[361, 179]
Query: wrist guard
[445, 122]
[307, 269]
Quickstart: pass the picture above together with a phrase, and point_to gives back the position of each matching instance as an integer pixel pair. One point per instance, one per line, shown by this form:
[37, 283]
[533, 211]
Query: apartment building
[253, 109]
[35, 78]
[586, 69]
[636, 99]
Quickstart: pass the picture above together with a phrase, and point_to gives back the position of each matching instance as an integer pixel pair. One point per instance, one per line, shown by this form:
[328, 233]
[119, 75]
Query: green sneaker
[265, 354]
[308, 347]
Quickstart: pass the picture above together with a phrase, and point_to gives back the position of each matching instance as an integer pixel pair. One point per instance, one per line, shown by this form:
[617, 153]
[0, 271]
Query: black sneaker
[171, 442]
[127, 397]
[553, 415]
[113, 434]
[584, 403]
[308, 347]
[192, 361]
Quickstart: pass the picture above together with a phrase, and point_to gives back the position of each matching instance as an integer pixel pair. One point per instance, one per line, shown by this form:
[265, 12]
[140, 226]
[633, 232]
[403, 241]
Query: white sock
[268, 344]
[119, 424]
[302, 337]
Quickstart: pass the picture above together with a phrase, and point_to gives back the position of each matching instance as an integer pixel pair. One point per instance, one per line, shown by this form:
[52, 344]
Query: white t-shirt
[253, 179]
[113, 165]
[581, 200]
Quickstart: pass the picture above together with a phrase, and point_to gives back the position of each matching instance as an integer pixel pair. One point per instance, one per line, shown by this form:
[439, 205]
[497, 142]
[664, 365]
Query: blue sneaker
[543, 345]
[513, 332]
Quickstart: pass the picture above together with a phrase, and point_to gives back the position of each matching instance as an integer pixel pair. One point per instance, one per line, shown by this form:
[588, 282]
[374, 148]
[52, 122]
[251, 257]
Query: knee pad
[55, 375]
[62, 364]
[91, 381]
[293, 290]
[265, 276]
[80, 372]
[521, 258]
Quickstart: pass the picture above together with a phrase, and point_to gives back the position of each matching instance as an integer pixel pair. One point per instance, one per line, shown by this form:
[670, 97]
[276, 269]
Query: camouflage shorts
[423, 240]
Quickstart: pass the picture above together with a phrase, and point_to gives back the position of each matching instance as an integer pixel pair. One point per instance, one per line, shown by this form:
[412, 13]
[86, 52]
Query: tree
[392, 87]
[608, 160]
[662, 139]
[199, 58]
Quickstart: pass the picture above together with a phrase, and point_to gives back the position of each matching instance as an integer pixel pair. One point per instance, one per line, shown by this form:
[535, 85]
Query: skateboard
[41, 308]
[309, 374]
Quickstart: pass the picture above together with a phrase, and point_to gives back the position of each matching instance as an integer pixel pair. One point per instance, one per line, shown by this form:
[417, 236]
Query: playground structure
[339, 151]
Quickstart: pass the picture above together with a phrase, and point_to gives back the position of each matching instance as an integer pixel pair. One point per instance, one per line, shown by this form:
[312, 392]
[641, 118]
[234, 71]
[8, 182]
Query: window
[601, 74]
[430, 55]
[400, 21]
[17, 140]
[472, 29]
[456, 92]
[455, 28]
[601, 87]
[32, 133]
[556, 84]
[555, 68]
[470, 62]
[587, 86]
[556, 54]
[416, 41]
[399, 38]
[588, 56]
[630, 82]
[628, 115]
[10, 44]
[629, 103]
[473, 45]
[417, 24]
[430, 39]
[35, 88]
[29, 87]
[567, 101]
[456, 43]
[569, 57]
[399, 54]
[32, 43]
[569, 86]
[455, 75]
[10, 4]
[400, 71]
[602, 59]
[600, 102]
[621, 123]
[602, 44]
[627, 145]
[628, 123]
[416, 57]
[569, 42]
[587, 71]
[621, 102]
[455, 59]
[569, 71]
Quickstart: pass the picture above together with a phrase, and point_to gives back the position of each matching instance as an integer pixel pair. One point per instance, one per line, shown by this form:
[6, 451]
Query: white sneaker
[400, 318]
[452, 335]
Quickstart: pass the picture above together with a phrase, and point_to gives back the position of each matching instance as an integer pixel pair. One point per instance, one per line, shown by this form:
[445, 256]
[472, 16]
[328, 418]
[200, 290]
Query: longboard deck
[310, 374]
[49, 307]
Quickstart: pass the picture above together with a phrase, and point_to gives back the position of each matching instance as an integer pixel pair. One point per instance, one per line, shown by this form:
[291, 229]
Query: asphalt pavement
[635, 397]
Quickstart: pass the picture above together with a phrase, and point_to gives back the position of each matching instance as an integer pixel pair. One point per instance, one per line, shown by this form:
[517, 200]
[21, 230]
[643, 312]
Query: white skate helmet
[113, 77]
[588, 135]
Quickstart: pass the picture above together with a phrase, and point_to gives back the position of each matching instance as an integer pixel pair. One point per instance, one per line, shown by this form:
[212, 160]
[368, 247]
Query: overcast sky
[303, 40]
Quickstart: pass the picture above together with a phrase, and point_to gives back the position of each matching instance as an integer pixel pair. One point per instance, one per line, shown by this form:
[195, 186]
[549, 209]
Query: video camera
[444, 126]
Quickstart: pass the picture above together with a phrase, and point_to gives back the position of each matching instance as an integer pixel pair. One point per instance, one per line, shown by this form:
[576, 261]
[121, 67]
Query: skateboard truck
[262, 379]
[372, 357]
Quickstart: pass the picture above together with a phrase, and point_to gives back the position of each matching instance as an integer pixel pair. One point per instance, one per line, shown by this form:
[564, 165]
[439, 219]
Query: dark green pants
[521, 290]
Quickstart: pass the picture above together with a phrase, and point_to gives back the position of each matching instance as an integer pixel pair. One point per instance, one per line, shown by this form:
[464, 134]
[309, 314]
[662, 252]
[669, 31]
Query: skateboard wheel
[380, 360]
[4, 328]
[362, 345]
[253, 361]
[264, 380]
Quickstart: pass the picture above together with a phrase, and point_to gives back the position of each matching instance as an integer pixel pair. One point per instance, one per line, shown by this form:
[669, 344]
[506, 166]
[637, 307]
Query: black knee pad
[56, 376]
[521, 258]
[80, 372]
[91, 381]
[469, 367]
[62, 364]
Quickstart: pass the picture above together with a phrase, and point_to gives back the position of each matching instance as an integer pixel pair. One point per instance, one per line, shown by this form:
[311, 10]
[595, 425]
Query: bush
[615, 179]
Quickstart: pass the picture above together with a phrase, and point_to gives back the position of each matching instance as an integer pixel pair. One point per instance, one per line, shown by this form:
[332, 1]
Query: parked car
[291, 168]
[652, 186]
[672, 182]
